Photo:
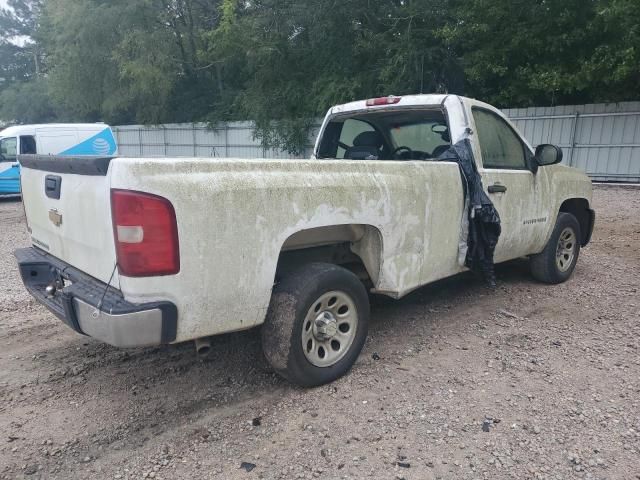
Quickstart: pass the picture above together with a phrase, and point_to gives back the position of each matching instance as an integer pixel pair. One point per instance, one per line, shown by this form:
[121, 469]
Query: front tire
[316, 325]
[556, 262]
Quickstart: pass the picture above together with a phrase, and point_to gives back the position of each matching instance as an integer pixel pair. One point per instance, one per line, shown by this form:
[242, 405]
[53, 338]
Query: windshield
[8, 149]
[386, 135]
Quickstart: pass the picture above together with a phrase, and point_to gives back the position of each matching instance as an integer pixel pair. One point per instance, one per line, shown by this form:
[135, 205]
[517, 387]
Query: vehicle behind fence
[601, 139]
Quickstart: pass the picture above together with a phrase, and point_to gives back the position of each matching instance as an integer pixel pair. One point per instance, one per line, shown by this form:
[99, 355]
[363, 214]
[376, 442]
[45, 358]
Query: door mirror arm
[532, 163]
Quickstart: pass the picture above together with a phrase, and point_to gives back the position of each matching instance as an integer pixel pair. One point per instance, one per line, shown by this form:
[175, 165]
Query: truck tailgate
[67, 204]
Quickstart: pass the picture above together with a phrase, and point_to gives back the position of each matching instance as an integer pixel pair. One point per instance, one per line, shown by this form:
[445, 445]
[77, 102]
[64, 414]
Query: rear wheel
[556, 262]
[316, 325]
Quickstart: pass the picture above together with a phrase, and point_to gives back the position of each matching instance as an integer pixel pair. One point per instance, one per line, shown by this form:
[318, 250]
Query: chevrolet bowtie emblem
[55, 217]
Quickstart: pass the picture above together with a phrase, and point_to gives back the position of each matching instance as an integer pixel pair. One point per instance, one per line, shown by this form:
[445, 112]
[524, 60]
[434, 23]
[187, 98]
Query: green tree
[21, 63]
[612, 70]
[282, 63]
[20, 53]
[296, 58]
[546, 52]
[27, 102]
[128, 60]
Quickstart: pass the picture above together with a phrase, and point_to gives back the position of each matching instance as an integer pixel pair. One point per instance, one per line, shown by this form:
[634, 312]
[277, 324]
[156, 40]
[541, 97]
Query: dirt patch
[455, 381]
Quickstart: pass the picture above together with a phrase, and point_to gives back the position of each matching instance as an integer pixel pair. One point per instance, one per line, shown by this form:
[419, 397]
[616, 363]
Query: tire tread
[543, 265]
[289, 301]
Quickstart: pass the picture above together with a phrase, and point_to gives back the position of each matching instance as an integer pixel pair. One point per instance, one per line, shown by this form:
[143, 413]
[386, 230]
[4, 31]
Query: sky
[18, 41]
[3, 4]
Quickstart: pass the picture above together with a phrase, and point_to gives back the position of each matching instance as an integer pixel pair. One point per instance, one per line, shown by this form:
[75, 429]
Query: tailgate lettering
[37, 242]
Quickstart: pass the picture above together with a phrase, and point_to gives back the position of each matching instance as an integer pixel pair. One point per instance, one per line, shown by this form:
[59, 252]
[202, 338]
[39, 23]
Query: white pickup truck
[148, 251]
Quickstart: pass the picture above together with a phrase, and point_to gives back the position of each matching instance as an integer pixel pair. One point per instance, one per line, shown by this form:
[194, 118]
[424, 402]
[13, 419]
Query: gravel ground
[530, 381]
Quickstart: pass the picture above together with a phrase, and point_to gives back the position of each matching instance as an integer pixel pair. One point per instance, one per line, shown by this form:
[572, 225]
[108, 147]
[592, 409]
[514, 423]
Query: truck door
[517, 193]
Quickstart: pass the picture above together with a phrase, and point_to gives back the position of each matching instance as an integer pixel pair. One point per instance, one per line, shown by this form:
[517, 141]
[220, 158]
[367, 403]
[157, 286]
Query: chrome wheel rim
[566, 250]
[329, 329]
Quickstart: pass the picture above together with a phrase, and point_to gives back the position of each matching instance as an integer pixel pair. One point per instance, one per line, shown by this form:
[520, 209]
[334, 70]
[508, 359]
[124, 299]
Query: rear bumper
[91, 307]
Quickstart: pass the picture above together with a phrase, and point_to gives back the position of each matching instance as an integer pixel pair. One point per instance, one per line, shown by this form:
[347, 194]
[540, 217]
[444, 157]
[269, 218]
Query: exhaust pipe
[203, 346]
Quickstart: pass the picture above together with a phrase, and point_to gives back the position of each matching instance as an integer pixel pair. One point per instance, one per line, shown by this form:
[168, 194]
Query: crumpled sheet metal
[480, 224]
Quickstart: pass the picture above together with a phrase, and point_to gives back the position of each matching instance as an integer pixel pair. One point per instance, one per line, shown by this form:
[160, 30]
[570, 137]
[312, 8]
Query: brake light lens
[390, 100]
[146, 234]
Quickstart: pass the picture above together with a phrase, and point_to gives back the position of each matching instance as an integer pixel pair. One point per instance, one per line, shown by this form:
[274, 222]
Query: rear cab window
[389, 134]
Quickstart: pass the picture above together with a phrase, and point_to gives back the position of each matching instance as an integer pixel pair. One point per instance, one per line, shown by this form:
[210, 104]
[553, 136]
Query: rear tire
[316, 325]
[556, 262]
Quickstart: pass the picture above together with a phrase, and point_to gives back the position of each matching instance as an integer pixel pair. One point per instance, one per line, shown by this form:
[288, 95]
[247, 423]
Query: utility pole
[422, 75]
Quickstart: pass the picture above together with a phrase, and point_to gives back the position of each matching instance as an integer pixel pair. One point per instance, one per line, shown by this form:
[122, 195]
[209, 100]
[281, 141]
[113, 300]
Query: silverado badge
[55, 217]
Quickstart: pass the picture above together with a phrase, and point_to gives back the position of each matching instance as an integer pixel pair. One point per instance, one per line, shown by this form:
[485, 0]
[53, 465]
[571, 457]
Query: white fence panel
[601, 139]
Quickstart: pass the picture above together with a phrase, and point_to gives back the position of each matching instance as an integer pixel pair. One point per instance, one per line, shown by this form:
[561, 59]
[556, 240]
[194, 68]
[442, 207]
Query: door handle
[52, 184]
[497, 188]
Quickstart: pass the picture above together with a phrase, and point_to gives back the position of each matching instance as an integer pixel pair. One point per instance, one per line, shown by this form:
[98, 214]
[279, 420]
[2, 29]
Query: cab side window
[499, 144]
[8, 149]
[28, 145]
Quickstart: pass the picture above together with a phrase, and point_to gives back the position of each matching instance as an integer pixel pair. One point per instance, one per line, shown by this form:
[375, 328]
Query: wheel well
[355, 247]
[579, 208]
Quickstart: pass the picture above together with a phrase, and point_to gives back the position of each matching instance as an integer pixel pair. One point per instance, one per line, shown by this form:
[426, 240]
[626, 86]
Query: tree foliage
[281, 63]
[523, 53]
[20, 55]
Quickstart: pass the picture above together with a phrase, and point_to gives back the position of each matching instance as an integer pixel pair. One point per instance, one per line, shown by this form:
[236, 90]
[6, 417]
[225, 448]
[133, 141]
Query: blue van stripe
[102, 143]
[11, 173]
[10, 180]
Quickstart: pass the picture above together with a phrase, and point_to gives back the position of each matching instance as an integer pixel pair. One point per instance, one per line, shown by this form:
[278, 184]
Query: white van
[73, 139]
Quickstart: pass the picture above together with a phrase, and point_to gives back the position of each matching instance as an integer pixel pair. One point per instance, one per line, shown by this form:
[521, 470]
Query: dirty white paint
[84, 239]
[528, 197]
[234, 216]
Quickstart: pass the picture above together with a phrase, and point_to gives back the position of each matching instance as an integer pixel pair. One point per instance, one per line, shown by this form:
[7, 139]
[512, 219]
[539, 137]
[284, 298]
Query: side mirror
[441, 130]
[547, 154]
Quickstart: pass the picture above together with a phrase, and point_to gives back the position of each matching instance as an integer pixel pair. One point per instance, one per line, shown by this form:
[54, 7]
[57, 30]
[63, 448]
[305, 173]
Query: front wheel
[316, 325]
[556, 262]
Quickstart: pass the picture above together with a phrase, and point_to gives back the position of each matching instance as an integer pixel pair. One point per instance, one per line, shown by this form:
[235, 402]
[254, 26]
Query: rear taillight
[146, 234]
[390, 100]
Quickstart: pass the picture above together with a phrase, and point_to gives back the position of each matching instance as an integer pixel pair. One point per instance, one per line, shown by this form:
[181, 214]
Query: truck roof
[31, 129]
[404, 100]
